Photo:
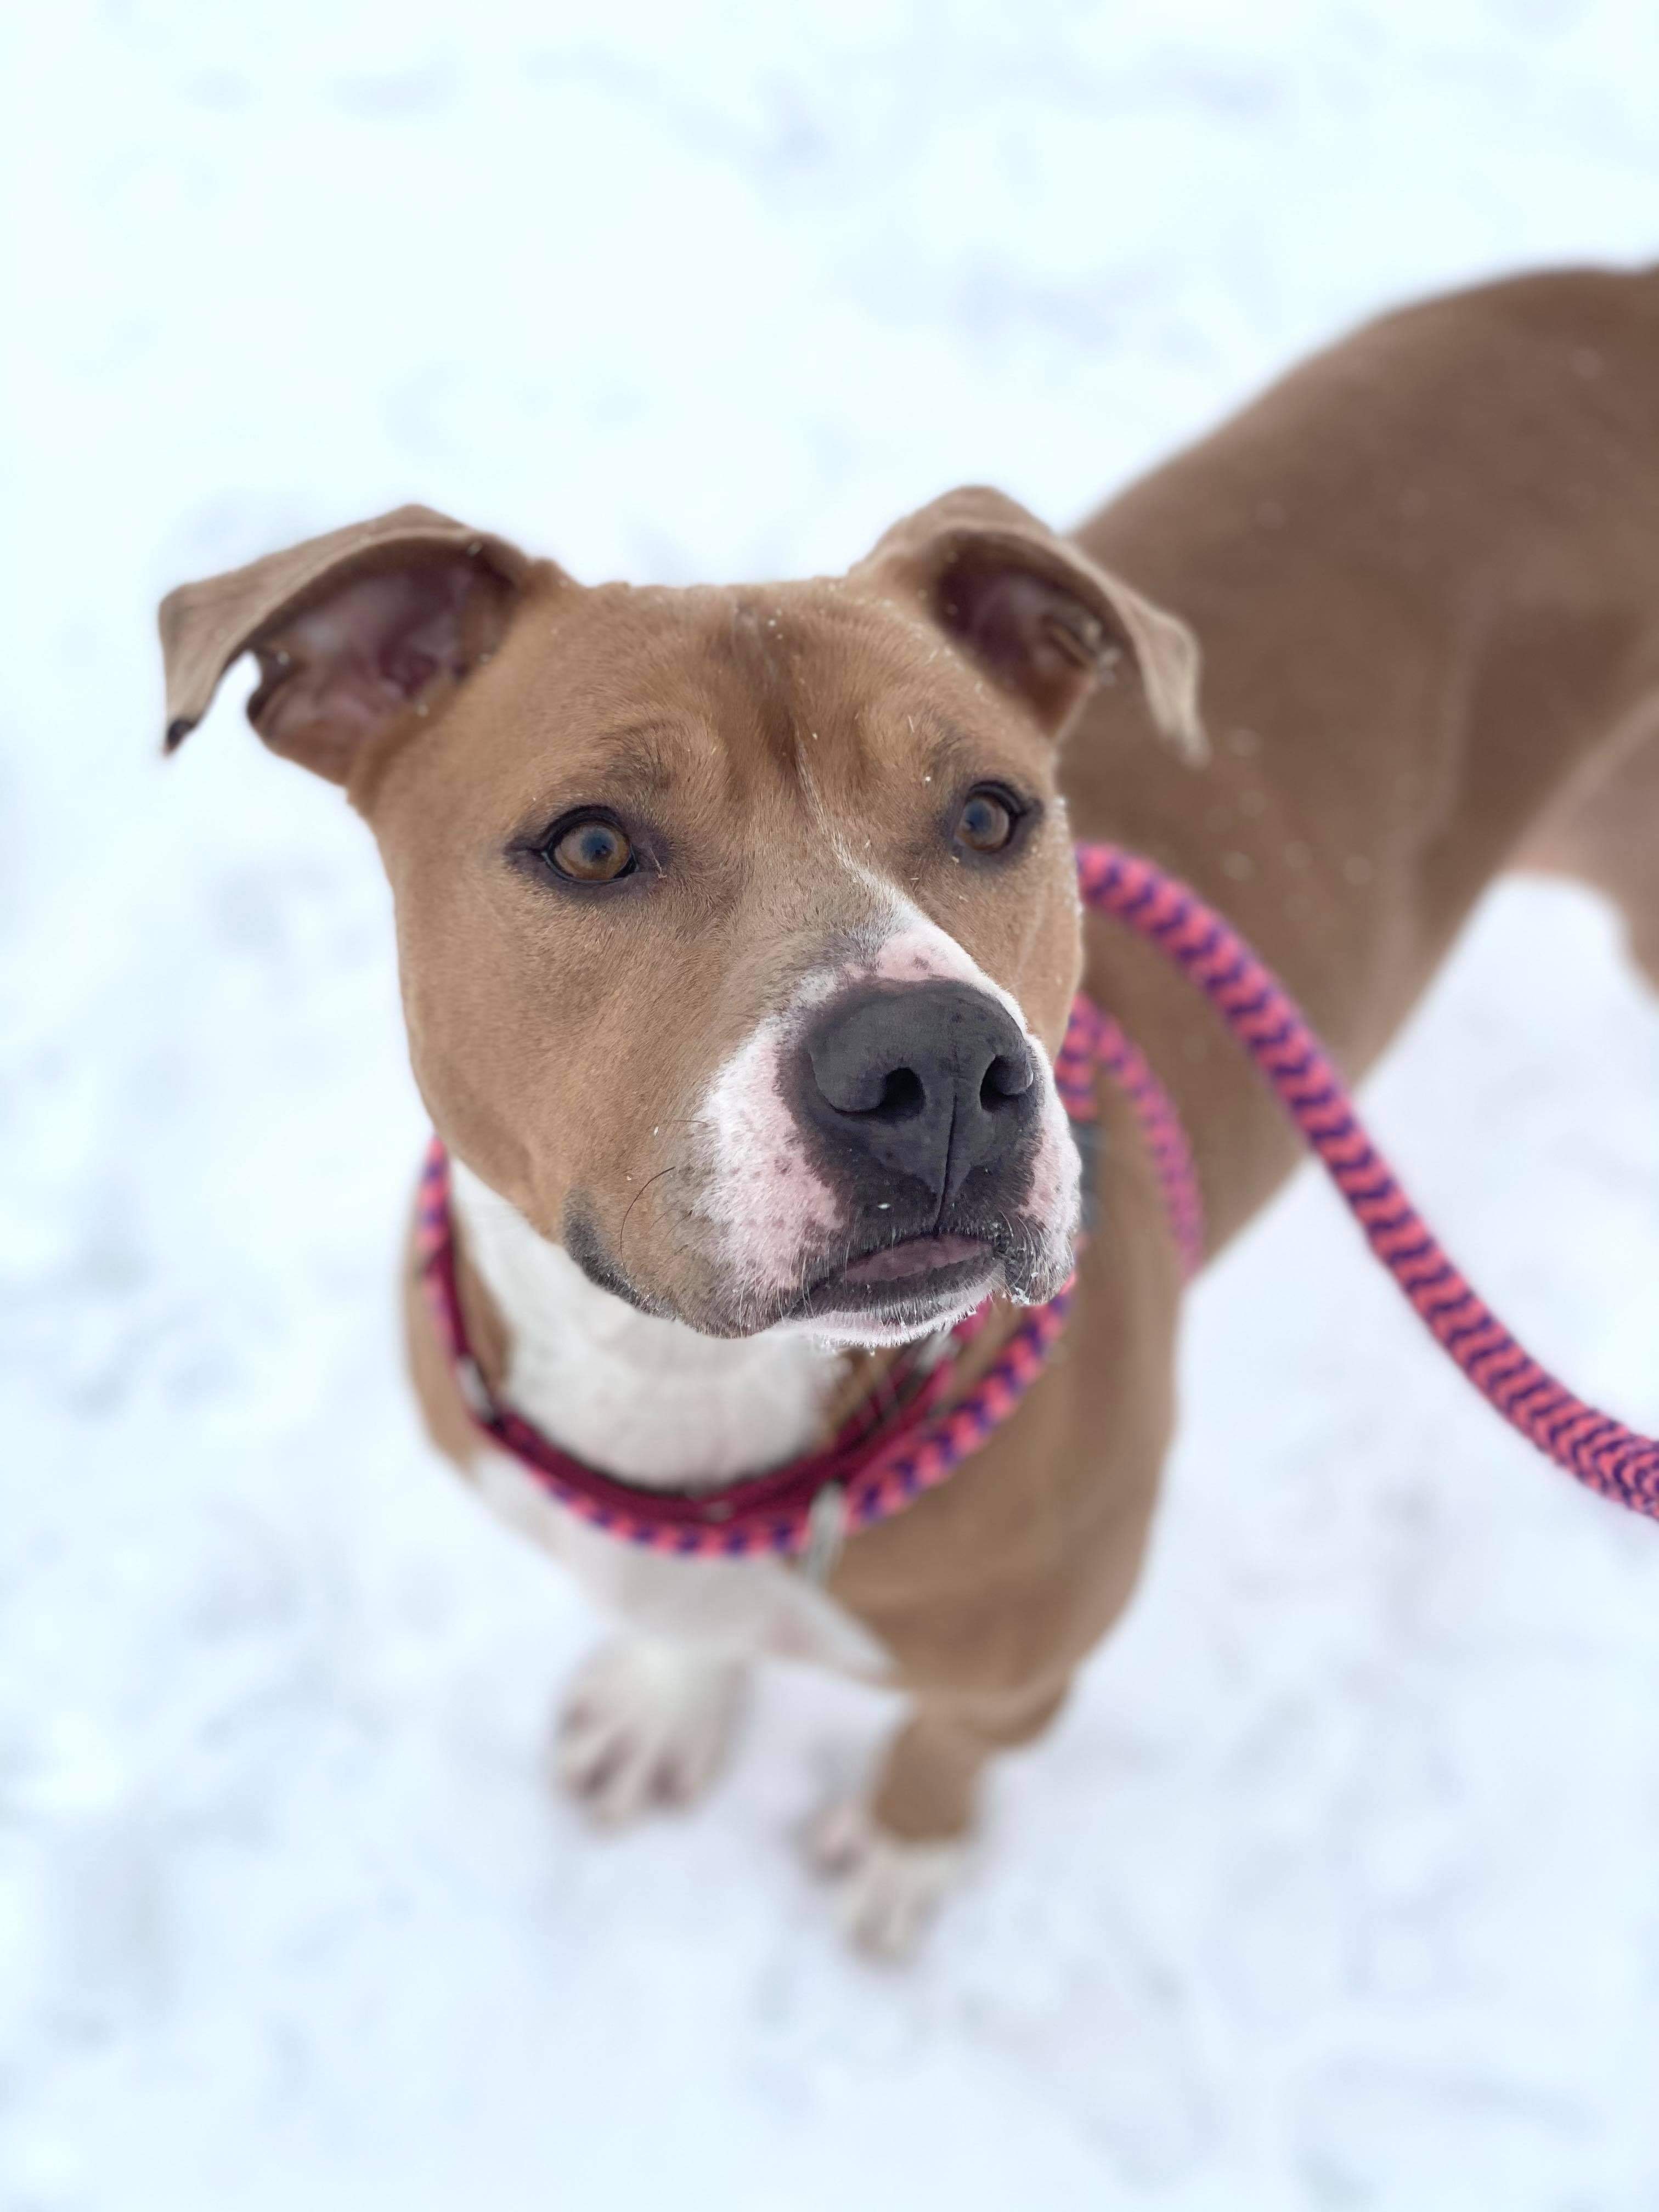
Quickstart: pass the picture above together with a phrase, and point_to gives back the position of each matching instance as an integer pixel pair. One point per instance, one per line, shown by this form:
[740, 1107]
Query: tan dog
[738, 928]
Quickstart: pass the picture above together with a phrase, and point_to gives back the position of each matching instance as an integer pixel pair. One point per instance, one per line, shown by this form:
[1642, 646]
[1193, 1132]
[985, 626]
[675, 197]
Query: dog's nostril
[1006, 1080]
[902, 1095]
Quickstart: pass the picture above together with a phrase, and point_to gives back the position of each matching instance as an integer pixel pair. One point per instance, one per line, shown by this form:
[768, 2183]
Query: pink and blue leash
[1603, 1455]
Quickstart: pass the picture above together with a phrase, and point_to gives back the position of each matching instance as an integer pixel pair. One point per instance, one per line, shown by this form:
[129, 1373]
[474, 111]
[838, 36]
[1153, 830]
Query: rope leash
[1600, 1452]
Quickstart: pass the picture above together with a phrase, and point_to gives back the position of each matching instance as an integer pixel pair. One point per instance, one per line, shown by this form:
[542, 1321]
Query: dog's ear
[351, 630]
[1032, 610]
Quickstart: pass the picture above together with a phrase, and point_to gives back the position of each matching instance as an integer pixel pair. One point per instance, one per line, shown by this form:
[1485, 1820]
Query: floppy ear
[351, 630]
[1042, 618]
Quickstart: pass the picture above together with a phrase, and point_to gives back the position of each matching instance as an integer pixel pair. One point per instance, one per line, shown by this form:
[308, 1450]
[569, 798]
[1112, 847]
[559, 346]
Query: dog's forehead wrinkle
[642, 753]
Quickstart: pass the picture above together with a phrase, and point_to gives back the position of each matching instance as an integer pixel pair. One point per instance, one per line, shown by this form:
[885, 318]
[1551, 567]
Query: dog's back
[1423, 570]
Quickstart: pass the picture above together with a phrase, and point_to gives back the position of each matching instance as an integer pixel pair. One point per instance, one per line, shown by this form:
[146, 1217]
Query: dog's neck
[650, 1400]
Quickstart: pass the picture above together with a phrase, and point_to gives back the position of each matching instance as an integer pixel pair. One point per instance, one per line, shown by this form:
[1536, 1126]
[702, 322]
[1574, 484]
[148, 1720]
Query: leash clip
[474, 1391]
[926, 1355]
[826, 1533]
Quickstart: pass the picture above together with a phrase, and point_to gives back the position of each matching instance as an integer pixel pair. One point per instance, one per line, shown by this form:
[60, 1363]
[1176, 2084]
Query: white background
[1340, 1885]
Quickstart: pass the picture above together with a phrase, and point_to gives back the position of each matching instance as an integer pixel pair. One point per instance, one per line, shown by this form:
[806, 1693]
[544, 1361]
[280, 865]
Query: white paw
[887, 1890]
[644, 1725]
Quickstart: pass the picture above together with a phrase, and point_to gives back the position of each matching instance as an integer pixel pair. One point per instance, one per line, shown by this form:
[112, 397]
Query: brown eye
[590, 851]
[987, 822]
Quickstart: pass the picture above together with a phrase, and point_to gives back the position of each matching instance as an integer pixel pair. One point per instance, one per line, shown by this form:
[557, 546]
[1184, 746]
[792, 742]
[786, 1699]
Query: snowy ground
[1339, 1886]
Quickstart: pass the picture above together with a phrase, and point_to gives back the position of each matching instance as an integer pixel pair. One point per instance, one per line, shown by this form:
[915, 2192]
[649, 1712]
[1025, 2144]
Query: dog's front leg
[895, 1853]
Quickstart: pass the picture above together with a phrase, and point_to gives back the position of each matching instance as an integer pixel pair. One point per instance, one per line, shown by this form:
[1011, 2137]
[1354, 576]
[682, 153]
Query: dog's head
[738, 928]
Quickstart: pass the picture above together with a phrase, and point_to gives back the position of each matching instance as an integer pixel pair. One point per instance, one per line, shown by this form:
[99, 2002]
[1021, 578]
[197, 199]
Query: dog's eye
[987, 822]
[592, 851]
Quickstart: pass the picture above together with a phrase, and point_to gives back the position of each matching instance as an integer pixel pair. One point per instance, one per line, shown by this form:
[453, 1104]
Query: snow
[1337, 1886]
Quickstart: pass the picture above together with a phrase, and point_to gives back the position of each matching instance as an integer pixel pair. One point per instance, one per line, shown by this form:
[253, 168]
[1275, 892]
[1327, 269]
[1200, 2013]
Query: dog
[737, 930]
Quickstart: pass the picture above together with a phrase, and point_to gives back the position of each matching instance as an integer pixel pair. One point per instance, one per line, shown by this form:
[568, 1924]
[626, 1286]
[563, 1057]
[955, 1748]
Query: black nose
[929, 1080]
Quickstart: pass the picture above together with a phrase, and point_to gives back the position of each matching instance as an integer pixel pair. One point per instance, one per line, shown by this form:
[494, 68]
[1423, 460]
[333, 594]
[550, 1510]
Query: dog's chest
[658, 1405]
[755, 1608]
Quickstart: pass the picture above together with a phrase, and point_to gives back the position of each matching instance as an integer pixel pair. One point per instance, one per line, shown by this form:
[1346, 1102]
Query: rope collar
[905, 1440]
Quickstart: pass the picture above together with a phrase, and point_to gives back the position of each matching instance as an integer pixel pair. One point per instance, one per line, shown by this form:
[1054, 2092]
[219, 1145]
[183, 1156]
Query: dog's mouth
[913, 1281]
[916, 1256]
[882, 1282]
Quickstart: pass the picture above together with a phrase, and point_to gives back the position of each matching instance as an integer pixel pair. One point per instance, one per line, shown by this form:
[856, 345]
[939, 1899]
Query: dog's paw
[887, 1890]
[645, 1726]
